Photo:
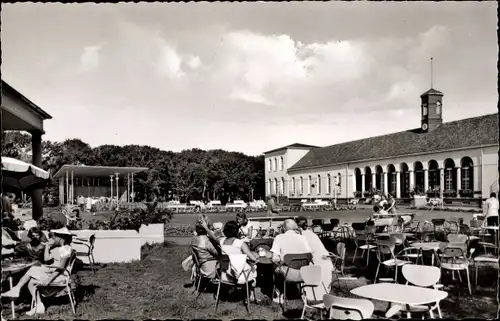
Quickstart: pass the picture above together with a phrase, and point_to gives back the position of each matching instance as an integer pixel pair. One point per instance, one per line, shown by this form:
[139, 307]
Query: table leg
[432, 259]
[12, 306]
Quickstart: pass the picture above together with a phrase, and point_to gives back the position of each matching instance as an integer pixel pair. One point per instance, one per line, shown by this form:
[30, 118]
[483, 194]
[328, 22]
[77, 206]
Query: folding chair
[386, 257]
[57, 287]
[453, 257]
[367, 237]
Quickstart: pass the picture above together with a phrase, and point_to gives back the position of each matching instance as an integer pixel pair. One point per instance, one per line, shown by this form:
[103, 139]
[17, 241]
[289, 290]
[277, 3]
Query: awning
[83, 171]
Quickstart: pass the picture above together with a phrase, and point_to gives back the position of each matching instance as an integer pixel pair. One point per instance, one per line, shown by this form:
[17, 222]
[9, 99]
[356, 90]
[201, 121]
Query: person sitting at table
[377, 209]
[245, 231]
[391, 205]
[33, 249]
[290, 242]
[58, 251]
[383, 203]
[205, 251]
[319, 252]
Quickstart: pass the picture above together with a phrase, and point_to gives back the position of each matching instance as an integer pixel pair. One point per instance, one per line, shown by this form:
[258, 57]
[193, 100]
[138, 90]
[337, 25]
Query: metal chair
[312, 288]
[367, 237]
[90, 250]
[386, 257]
[199, 277]
[292, 261]
[453, 257]
[422, 276]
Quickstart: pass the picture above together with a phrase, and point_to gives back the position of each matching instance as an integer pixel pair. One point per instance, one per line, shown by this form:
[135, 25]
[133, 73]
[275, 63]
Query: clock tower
[431, 110]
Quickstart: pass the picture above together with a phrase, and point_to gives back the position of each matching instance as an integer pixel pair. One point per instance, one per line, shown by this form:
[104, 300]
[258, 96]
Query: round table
[427, 246]
[11, 268]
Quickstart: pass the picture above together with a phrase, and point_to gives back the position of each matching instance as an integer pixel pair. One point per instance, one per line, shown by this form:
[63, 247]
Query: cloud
[89, 59]
[194, 62]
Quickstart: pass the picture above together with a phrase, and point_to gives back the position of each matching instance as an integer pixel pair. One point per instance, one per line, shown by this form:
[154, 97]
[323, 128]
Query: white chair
[486, 258]
[61, 287]
[367, 238]
[218, 226]
[312, 288]
[453, 257]
[348, 308]
[423, 276]
[386, 257]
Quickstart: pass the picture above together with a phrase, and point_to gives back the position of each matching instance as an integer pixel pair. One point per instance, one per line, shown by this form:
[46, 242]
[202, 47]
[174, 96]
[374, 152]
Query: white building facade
[456, 159]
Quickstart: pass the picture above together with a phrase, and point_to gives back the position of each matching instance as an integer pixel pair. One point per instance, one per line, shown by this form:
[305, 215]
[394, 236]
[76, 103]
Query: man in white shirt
[491, 209]
[290, 242]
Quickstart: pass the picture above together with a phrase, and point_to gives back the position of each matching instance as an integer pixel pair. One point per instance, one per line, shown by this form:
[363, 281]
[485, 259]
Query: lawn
[154, 289]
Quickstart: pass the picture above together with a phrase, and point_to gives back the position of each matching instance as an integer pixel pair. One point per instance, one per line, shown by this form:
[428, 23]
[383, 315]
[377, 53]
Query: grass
[153, 288]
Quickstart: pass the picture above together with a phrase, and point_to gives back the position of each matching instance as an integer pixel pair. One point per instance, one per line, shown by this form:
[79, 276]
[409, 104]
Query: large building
[459, 158]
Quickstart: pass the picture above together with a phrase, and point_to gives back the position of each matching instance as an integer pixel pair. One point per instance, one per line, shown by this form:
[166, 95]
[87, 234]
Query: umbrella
[22, 176]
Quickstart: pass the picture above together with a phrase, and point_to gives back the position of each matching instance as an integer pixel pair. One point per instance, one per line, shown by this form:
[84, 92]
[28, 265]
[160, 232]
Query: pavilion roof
[80, 171]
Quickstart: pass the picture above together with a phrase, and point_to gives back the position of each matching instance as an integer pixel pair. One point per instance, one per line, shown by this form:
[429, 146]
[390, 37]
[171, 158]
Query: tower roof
[432, 91]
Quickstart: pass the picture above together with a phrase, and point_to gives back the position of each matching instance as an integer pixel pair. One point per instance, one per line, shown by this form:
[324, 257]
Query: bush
[180, 230]
[48, 223]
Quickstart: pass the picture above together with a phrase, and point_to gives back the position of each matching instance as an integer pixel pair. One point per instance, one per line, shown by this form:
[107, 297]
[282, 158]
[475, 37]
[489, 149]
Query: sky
[247, 77]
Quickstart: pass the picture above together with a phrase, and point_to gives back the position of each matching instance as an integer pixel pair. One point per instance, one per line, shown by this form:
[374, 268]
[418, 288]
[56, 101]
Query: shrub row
[446, 209]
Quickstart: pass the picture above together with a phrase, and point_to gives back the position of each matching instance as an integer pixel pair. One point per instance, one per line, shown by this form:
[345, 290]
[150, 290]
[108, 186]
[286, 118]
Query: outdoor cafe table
[400, 294]
[11, 268]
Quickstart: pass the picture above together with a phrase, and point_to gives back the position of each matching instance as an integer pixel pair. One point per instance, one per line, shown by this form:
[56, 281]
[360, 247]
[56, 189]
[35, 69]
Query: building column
[386, 184]
[412, 179]
[67, 188]
[117, 193]
[459, 180]
[398, 184]
[133, 193]
[111, 183]
[61, 191]
[426, 180]
[72, 188]
[362, 184]
[441, 182]
[374, 180]
[36, 196]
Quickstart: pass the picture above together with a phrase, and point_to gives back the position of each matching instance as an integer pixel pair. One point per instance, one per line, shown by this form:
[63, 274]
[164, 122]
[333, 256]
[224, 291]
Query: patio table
[427, 246]
[11, 268]
[400, 295]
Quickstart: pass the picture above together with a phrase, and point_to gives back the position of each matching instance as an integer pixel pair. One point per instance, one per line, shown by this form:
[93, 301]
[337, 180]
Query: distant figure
[81, 202]
[379, 210]
[391, 202]
[383, 203]
[271, 207]
[491, 210]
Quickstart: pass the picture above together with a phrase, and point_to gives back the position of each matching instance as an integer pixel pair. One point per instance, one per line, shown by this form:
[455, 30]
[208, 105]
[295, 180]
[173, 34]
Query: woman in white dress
[245, 231]
[57, 252]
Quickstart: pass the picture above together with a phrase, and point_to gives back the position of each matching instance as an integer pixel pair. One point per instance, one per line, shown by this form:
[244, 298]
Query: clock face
[424, 126]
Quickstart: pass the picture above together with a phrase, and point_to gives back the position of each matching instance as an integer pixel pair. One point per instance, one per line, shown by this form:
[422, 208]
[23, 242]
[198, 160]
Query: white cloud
[89, 59]
[194, 62]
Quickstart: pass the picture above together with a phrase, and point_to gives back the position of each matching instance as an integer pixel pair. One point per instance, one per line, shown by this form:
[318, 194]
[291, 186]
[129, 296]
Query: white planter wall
[152, 233]
[111, 246]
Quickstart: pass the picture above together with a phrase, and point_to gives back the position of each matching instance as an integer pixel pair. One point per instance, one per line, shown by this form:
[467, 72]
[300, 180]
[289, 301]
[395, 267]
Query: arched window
[438, 108]
[467, 172]
[301, 185]
[282, 186]
[329, 184]
[449, 175]
[275, 187]
[269, 165]
[275, 164]
[281, 163]
[434, 176]
[319, 184]
[269, 187]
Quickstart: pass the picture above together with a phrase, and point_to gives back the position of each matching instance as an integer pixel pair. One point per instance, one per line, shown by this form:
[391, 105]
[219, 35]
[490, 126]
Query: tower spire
[432, 75]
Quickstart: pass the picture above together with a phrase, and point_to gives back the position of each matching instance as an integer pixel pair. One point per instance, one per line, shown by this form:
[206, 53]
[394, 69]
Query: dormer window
[438, 108]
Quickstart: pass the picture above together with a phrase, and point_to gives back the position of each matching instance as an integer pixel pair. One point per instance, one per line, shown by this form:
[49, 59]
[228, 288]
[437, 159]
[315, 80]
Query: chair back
[413, 227]
[464, 229]
[342, 232]
[457, 238]
[421, 275]
[218, 225]
[264, 243]
[384, 249]
[358, 227]
[223, 264]
[313, 288]
[453, 250]
[370, 229]
[348, 308]
[327, 227]
[318, 222]
[341, 250]
[438, 221]
[296, 261]
[335, 222]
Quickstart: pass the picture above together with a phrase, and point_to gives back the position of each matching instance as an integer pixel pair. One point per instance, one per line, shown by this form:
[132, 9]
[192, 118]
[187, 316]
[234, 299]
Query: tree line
[192, 174]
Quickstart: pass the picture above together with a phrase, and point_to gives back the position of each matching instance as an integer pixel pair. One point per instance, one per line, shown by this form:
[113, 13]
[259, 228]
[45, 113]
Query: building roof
[6, 88]
[470, 132]
[432, 91]
[295, 145]
[95, 171]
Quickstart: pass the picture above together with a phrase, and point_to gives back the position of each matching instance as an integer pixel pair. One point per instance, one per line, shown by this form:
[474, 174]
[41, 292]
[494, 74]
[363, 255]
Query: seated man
[34, 249]
[290, 242]
[379, 210]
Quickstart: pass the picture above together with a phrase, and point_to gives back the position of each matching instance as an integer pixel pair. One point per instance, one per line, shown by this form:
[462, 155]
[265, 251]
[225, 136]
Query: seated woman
[245, 231]
[383, 203]
[58, 251]
[205, 251]
[391, 205]
[379, 210]
[34, 249]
